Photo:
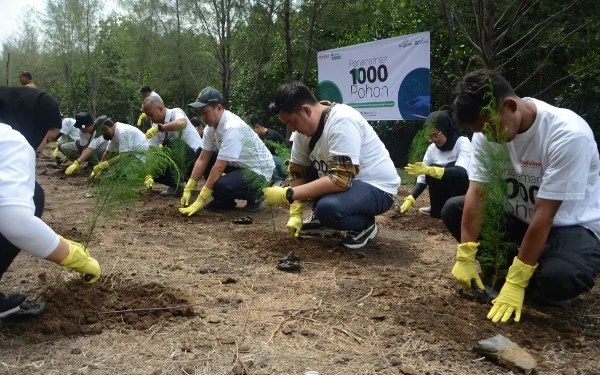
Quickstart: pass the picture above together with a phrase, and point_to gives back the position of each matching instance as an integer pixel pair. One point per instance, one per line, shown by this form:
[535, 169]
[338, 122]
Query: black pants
[8, 251]
[238, 184]
[448, 187]
[169, 178]
[567, 267]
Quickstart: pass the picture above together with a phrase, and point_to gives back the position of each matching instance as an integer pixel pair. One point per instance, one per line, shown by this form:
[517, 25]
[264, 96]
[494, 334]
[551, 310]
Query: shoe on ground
[313, 227]
[425, 211]
[357, 240]
[253, 206]
[10, 303]
[549, 302]
[171, 192]
[85, 166]
[217, 204]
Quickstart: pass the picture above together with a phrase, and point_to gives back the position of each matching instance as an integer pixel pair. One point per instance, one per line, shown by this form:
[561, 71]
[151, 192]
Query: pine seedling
[119, 186]
[494, 245]
[420, 143]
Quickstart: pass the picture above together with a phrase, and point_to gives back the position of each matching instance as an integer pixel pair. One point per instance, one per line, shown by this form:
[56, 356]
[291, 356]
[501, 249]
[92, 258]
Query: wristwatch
[160, 129]
[289, 195]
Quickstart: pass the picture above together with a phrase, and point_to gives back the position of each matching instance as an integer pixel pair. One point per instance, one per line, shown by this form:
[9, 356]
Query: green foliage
[420, 143]
[494, 246]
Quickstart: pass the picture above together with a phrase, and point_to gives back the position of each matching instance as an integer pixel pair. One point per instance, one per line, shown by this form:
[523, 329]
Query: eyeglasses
[434, 137]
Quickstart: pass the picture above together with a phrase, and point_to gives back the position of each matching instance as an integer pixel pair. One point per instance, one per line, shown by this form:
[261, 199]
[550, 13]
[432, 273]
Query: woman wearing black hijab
[444, 167]
[28, 118]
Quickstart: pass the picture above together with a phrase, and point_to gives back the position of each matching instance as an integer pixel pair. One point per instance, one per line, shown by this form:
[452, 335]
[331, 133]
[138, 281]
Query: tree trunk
[288, 40]
[311, 34]
[179, 56]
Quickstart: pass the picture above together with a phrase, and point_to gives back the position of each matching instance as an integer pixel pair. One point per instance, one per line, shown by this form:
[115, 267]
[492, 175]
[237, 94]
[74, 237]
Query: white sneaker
[425, 211]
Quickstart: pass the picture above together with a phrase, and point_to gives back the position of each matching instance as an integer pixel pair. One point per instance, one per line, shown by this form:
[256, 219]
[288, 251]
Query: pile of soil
[75, 308]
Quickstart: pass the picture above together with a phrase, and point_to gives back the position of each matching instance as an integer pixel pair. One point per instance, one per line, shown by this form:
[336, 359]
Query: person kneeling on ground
[553, 207]
[124, 139]
[444, 167]
[172, 126]
[242, 156]
[68, 133]
[90, 146]
[337, 160]
[25, 121]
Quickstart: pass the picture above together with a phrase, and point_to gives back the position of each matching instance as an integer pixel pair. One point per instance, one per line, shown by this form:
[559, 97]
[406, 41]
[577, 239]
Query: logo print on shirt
[530, 163]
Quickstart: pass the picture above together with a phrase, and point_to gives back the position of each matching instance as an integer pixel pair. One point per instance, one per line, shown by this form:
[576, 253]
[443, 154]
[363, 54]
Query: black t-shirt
[273, 136]
[30, 111]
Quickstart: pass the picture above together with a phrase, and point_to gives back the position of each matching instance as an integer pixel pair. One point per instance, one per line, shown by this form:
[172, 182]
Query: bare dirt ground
[202, 295]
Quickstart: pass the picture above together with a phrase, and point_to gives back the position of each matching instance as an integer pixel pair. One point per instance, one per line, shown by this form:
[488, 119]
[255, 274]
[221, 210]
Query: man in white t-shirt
[171, 127]
[553, 210]
[66, 140]
[444, 168]
[90, 146]
[242, 156]
[337, 159]
[124, 139]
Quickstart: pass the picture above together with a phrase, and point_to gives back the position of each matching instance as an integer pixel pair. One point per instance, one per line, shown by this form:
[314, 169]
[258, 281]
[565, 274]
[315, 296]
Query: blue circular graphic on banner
[414, 96]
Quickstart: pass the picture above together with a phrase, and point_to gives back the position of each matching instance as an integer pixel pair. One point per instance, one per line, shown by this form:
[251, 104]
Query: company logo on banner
[384, 80]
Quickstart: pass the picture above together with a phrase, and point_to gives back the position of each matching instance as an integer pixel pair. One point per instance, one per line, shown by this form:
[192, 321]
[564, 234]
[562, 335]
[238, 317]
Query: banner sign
[384, 80]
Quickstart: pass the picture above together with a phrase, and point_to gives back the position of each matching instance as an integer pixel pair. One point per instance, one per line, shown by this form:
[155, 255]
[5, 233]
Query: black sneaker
[313, 227]
[171, 192]
[356, 240]
[85, 166]
[253, 206]
[10, 303]
[217, 204]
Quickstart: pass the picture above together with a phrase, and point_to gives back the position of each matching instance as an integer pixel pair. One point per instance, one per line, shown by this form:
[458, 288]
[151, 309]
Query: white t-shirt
[152, 93]
[460, 153]
[348, 133]
[84, 139]
[128, 138]
[238, 145]
[555, 159]
[69, 130]
[16, 187]
[189, 134]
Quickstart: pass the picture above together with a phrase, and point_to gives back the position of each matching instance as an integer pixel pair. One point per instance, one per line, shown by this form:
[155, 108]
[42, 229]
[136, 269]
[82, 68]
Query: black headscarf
[442, 121]
[30, 111]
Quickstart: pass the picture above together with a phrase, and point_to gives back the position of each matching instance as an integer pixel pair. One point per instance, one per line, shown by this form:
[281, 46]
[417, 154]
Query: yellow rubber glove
[276, 195]
[148, 182]
[464, 269]
[64, 159]
[140, 119]
[294, 224]
[407, 205]
[79, 260]
[99, 168]
[187, 192]
[152, 132]
[55, 152]
[205, 193]
[512, 293]
[75, 167]
[419, 168]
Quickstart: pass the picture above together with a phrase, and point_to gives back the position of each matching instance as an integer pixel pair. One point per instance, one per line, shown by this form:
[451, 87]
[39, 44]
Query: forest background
[93, 58]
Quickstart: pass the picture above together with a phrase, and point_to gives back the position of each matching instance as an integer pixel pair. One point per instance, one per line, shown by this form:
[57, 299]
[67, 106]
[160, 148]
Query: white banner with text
[384, 80]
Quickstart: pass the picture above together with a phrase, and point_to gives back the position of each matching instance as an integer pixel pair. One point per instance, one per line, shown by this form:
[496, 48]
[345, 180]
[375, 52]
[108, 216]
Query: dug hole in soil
[202, 295]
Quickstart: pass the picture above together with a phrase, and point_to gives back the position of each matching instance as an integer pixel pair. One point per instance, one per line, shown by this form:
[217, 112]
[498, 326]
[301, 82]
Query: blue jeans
[280, 172]
[354, 209]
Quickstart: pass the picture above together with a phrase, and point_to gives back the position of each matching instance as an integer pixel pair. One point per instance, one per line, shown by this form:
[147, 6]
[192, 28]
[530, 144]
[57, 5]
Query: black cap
[208, 95]
[83, 119]
[100, 121]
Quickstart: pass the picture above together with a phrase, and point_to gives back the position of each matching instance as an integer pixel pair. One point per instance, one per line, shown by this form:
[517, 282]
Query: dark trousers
[238, 184]
[568, 265]
[169, 178]
[8, 251]
[448, 187]
[280, 172]
[354, 209]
